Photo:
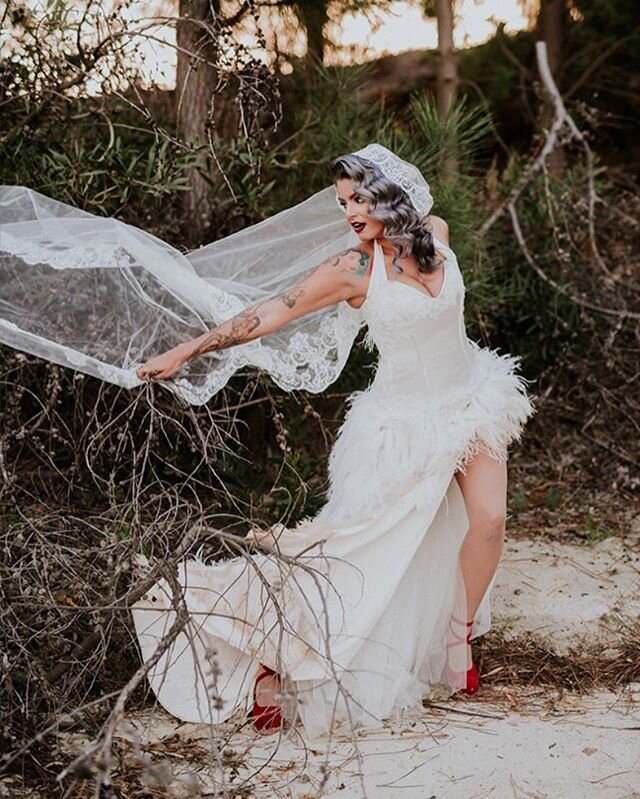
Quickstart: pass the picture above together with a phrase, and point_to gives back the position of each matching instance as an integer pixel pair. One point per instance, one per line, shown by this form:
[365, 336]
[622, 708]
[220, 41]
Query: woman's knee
[489, 524]
[484, 488]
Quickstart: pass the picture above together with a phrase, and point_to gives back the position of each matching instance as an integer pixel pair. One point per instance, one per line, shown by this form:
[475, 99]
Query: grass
[597, 530]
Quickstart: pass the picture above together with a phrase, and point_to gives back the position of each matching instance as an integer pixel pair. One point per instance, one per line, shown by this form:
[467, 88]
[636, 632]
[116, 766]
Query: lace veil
[101, 296]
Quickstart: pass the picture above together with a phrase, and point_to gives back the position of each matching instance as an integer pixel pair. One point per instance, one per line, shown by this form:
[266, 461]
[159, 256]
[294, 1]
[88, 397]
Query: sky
[405, 27]
[402, 28]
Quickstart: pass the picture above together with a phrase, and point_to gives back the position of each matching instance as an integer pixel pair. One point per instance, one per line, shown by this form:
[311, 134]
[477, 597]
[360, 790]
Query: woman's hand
[165, 365]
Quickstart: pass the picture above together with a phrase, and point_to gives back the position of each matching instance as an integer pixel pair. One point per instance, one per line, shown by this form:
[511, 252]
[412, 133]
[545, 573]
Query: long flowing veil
[101, 296]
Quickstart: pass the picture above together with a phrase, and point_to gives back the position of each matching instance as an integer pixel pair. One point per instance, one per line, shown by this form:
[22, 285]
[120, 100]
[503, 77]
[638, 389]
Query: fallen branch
[102, 748]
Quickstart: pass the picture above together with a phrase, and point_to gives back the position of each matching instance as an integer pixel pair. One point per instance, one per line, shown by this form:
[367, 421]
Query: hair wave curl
[389, 204]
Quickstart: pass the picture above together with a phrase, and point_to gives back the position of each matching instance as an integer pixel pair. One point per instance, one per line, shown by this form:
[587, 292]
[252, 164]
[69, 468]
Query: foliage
[68, 72]
[77, 68]
[577, 328]
[599, 64]
[319, 125]
[432, 143]
[107, 178]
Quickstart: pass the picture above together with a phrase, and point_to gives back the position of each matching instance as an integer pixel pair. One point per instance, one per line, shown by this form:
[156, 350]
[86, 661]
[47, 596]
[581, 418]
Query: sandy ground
[565, 593]
[502, 744]
[587, 748]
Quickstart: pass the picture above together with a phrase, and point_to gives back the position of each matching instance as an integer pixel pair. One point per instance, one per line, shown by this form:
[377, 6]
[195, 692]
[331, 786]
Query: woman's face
[356, 210]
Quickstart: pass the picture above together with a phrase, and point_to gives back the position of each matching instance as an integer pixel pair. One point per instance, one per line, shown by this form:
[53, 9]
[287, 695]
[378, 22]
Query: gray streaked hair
[391, 205]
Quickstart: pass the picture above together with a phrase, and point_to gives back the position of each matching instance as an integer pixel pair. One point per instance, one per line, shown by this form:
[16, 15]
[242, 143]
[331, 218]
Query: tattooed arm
[340, 277]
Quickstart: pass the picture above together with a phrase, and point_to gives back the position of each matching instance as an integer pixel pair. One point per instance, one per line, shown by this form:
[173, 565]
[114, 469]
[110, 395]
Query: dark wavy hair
[390, 204]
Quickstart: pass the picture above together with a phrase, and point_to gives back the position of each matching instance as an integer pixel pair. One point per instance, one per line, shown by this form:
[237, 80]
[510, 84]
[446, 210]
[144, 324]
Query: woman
[372, 603]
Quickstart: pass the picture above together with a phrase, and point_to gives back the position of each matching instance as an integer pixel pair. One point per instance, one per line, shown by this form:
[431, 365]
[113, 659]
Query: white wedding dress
[353, 609]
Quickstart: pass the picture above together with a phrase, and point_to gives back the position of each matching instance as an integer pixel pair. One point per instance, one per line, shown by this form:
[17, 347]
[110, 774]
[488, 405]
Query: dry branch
[561, 120]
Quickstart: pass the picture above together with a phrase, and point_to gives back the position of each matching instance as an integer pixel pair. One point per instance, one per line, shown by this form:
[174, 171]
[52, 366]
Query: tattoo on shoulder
[358, 261]
[363, 262]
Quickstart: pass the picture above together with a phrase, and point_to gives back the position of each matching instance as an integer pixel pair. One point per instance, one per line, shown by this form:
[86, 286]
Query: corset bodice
[421, 340]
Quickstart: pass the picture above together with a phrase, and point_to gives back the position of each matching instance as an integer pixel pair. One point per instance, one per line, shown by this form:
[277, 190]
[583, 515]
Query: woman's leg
[484, 488]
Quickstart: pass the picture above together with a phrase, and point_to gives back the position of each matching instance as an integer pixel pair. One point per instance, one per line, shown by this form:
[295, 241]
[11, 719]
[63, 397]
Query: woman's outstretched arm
[340, 277]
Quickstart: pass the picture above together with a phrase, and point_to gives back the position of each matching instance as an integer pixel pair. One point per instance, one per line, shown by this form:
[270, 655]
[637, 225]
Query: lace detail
[311, 362]
[307, 360]
[20, 339]
[406, 175]
[57, 257]
[101, 296]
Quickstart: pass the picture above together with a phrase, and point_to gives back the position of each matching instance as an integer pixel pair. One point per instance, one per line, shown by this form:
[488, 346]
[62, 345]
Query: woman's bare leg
[484, 488]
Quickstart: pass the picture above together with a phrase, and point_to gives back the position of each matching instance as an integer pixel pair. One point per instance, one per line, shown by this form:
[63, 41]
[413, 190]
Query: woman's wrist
[197, 346]
[187, 350]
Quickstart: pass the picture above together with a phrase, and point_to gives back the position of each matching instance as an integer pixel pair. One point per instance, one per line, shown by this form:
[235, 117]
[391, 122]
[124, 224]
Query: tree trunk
[447, 77]
[195, 85]
[551, 28]
[314, 16]
[447, 80]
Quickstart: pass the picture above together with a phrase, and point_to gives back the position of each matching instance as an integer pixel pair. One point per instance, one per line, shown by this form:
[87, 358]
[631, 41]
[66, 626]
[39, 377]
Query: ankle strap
[466, 623]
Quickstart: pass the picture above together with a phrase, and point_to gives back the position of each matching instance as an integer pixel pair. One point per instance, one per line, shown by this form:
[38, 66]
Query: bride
[360, 612]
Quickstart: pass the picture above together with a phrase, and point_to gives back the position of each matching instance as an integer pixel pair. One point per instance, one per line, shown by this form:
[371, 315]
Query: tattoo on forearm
[238, 330]
[290, 297]
[241, 325]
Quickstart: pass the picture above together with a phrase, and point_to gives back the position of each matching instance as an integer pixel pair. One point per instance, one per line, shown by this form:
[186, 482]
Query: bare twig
[561, 119]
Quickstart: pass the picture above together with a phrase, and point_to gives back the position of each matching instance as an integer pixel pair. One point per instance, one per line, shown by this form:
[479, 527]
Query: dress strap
[378, 269]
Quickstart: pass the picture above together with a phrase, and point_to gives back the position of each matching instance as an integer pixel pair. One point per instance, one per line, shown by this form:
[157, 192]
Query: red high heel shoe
[473, 680]
[473, 675]
[265, 717]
